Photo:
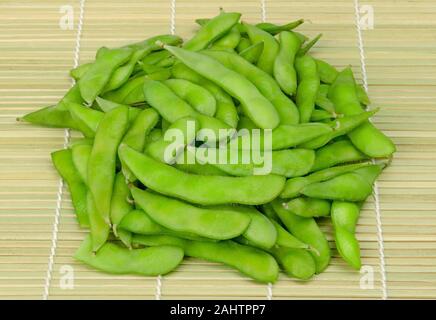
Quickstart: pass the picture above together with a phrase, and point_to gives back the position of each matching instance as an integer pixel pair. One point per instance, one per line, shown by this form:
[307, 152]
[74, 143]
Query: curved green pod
[251, 190]
[271, 47]
[225, 108]
[367, 138]
[344, 218]
[308, 84]
[63, 162]
[255, 105]
[112, 258]
[307, 230]
[294, 186]
[195, 95]
[252, 262]
[179, 216]
[336, 153]
[284, 70]
[212, 30]
[101, 165]
[308, 207]
[266, 85]
[297, 263]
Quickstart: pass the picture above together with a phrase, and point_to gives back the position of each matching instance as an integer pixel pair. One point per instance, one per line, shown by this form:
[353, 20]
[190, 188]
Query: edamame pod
[213, 223]
[80, 71]
[307, 231]
[270, 49]
[196, 96]
[101, 165]
[80, 155]
[275, 29]
[336, 153]
[255, 105]
[367, 138]
[87, 119]
[267, 86]
[284, 71]
[120, 205]
[251, 190]
[212, 30]
[63, 162]
[341, 126]
[94, 80]
[229, 40]
[225, 108]
[308, 84]
[99, 228]
[260, 232]
[297, 263]
[285, 239]
[138, 222]
[308, 207]
[252, 53]
[243, 44]
[344, 218]
[352, 186]
[129, 93]
[254, 263]
[112, 258]
[294, 186]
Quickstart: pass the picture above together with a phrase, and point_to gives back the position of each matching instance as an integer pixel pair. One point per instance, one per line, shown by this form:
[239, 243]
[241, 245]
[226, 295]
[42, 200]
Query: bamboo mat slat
[399, 55]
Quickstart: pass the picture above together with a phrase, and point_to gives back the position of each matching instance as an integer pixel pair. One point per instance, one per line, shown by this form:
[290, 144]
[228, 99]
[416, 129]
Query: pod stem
[309, 45]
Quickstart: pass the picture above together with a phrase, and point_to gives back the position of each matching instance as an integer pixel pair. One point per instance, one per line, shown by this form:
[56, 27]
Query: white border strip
[173, 17]
[269, 292]
[376, 191]
[55, 228]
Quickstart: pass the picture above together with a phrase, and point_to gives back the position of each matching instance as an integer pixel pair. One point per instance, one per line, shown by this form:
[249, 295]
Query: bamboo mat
[397, 228]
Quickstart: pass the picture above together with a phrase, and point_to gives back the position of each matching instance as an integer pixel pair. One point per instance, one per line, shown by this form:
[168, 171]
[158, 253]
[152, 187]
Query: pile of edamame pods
[145, 212]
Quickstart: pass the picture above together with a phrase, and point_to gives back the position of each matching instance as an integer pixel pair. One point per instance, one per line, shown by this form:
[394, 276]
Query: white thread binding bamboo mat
[397, 228]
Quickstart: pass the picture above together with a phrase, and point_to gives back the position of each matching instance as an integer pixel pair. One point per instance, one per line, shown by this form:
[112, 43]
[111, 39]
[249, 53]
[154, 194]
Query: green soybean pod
[321, 116]
[252, 53]
[138, 222]
[213, 223]
[367, 138]
[296, 263]
[122, 74]
[63, 162]
[344, 218]
[286, 239]
[212, 30]
[165, 38]
[294, 186]
[253, 262]
[101, 165]
[284, 71]
[114, 259]
[225, 108]
[260, 232]
[80, 154]
[324, 103]
[86, 118]
[155, 57]
[243, 44]
[120, 205]
[51, 116]
[352, 186]
[80, 71]
[341, 127]
[255, 105]
[267, 86]
[307, 230]
[94, 80]
[229, 40]
[182, 132]
[129, 93]
[336, 153]
[270, 49]
[308, 207]
[327, 73]
[198, 97]
[251, 190]
[308, 84]
[275, 29]
[99, 228]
